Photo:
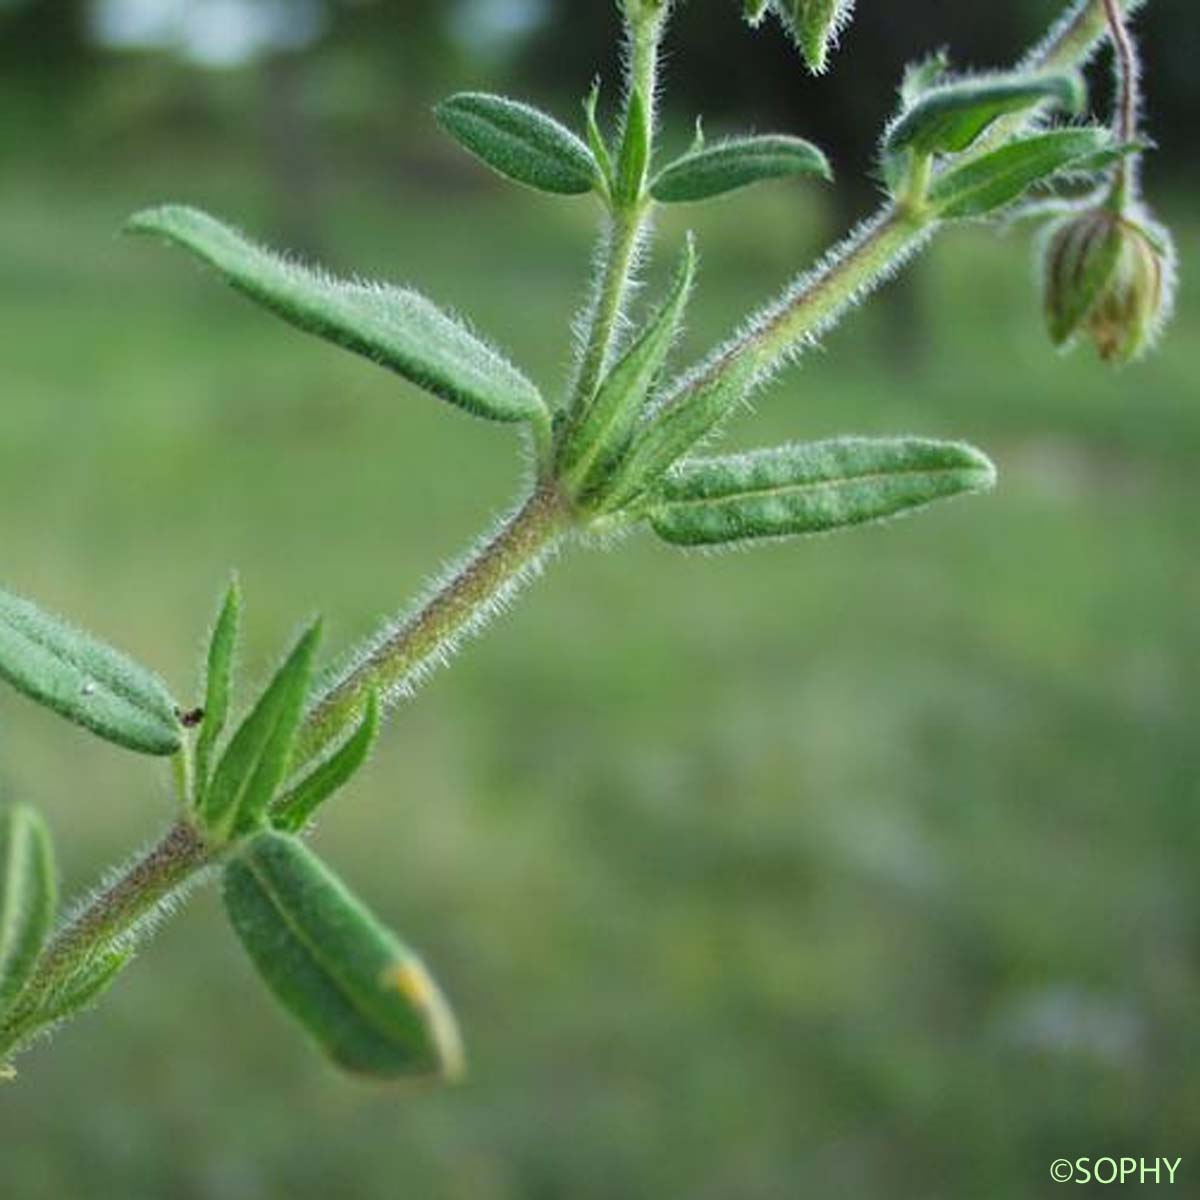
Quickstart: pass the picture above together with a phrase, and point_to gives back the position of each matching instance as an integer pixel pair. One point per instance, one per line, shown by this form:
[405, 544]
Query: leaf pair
[949, 118]
[363, 996]
[243, 792]
[810, 488]
[527, 146]
[395, 327]
[84, 680]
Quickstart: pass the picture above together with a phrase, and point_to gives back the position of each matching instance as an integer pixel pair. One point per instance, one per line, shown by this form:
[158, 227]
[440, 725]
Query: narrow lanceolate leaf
[222, 648]
[989, 182]
[948, 118]
[362, 995]
[394, 327]
[595, 138]
[606, 425]
[737, 164]
[811, 488]
[815, 25]
[27, 896]
[295, 809]
[520, 142]
[634, 157]
[84, 680]
[259, 754]
[674, 430]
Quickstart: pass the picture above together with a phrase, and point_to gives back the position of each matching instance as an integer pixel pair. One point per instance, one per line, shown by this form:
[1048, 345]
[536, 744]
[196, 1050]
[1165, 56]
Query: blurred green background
[861, 867]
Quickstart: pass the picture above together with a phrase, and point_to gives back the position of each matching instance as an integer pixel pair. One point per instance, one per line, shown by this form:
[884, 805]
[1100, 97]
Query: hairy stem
[882, 244]
[402, 652]
[113, 915]
[125, 906]
[618, 253]
[1125, 123]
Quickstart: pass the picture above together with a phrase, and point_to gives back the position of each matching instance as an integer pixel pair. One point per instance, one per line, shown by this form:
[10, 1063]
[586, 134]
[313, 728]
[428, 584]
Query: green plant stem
[400, 653]
[113, 915]
[126, 905]
[617, 257]
[1125, 123]
[815, 301]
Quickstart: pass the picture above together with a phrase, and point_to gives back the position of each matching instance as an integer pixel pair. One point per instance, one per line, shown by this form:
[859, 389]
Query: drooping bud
[1108, 275]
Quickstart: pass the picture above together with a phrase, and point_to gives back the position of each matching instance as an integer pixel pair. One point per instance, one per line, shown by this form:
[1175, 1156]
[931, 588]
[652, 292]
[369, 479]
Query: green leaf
[675, 429]
[948, 118]
[595, 138]
[27, 896]
[634, 157]
[84, 680]
[258, 756]
[295, 809]
[922, 75]
[736, 164]
[362, 995]
[520, 142]
[219, 683]
[394, 327]
[815, 25]
[607, 423]
[982, 185]
[811, 488]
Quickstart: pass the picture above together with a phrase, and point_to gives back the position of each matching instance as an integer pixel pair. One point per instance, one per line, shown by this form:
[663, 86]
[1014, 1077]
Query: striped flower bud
[1108, 276]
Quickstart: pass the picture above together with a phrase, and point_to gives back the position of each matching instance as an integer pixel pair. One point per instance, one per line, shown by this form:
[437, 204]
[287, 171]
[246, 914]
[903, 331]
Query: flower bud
[1108, 275]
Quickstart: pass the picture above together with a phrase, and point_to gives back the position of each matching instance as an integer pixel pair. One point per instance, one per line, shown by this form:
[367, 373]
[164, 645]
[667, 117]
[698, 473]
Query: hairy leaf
[634, 157]
[294, 810]
[815, 25]
[595, 138]
[520, 142]
[984, 184]
[755, 10]
[921, 75]
[27, 896]
[674, 430]
[811, 488]
[738, 163]
[948, 118]
[607, 423]
[219, 682]
[363, 996]
[394, 327]
[84, 680]
[257, 758]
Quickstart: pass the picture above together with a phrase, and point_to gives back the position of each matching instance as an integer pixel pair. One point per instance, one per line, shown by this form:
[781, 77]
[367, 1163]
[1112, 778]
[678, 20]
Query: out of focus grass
[860, 867]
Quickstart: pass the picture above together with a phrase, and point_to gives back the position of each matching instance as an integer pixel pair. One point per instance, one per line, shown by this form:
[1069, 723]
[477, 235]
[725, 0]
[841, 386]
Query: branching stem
[124, 907]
